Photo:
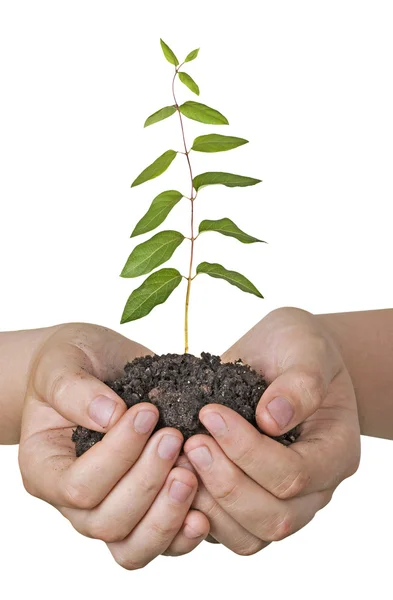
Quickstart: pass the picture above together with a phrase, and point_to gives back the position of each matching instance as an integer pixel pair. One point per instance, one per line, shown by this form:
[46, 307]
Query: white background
[310, 85]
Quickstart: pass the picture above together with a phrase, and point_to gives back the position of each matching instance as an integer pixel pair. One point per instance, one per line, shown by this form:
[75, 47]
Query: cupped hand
[256, 490]
[126, 489]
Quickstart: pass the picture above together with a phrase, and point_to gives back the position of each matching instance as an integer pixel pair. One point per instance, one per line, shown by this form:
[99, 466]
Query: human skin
[307, 358]
[295, 350]
[365, 340]
[258, 490]
[125, 490]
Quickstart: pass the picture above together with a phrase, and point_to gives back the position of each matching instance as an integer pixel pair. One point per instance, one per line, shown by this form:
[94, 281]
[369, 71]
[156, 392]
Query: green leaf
[228, 179]
[153, 291]
[217, 143]
[216, 270]
[156, 168]
[189, 82]
[202, 113]
[158, 211]
[169, 55]
[227, 227]
[160, 115]
[192, 55]
[150, 254]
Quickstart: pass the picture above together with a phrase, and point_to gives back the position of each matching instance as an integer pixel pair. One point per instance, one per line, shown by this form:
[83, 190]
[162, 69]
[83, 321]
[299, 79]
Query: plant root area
[180, 385]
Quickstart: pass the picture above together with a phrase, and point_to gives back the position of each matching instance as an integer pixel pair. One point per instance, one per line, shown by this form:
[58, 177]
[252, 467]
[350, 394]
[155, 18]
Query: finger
[223, 528]
[51, 471]
[297, 357]
[194, 530]
[275, 467]
[313, 463]
[329, 445]
[117, 515]
[258, 511]
[290, 399]
[158, 528]
[64, 379]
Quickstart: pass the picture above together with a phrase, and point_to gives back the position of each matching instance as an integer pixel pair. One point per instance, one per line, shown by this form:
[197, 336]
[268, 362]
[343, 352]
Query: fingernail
[145, 421]
[190, 532]
[200, 457]
[169, 446]
[281, 410]
[179, 491]
[214, 423]
[101, 410]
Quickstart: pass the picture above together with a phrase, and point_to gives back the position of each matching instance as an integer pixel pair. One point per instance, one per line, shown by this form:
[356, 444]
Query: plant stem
[192, 198]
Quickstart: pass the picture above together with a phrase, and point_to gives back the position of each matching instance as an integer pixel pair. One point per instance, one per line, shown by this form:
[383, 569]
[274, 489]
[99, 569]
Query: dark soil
[180, 385]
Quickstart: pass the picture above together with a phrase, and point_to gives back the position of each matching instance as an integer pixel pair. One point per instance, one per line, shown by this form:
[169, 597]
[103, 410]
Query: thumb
[290, 399]
[63, 379]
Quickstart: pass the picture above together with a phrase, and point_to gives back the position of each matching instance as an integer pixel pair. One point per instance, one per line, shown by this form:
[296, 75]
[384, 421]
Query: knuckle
[314, 388]
[292, 485]
[206, 504]
[79, 497]
[321, 345]
[278, 528]
[229, 491]
[162, 532]
[58, 388]
[245, 457]
[149, 487]
[106, 532]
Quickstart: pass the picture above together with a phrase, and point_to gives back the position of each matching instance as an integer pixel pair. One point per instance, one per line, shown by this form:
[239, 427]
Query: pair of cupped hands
[145, 495]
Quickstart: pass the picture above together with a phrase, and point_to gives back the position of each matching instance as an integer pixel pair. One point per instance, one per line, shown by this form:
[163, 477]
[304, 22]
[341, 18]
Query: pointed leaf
[158, 211]
[216, 270]
[161, 114]
[189, 82]
[217, 143]
[150, 254]
[227, 227]
[169, 55]
[228, 179]
[158, 167]
[153, 291]
[202, 113]
[192, 56]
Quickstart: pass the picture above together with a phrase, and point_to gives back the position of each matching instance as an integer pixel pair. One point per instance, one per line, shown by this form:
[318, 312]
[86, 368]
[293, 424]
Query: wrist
[18, 350]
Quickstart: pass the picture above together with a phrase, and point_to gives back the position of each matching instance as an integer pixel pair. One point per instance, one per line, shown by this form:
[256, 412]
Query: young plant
[158, 249]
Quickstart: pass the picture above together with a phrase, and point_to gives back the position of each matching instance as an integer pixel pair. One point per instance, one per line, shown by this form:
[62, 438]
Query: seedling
[148, 255]
[180, 385]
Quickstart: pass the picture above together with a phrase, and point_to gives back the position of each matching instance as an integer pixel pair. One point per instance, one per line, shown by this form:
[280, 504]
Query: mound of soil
[180, 385]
